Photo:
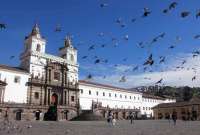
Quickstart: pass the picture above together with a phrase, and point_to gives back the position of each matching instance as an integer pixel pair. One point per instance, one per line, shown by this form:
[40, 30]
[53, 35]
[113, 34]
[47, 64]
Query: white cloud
[180, 77]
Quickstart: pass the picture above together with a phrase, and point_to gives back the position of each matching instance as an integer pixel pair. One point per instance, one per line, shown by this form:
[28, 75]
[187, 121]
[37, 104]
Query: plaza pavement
[140, 127]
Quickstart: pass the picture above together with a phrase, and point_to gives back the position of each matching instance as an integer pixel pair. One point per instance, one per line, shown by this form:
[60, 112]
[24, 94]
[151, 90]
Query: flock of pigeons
[150, 61]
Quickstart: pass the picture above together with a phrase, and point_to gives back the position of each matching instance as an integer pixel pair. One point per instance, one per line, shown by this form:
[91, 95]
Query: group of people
[112, 120]
[172, 116]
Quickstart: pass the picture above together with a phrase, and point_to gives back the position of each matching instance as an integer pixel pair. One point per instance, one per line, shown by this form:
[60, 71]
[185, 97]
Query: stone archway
[18, 114]
[37, 114]
[54, 99]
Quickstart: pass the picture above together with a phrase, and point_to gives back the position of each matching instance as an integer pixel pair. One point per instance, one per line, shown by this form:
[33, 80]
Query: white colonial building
[16, 79]
[39, 75]
[108, 96]
[117, 98]
[150, 101]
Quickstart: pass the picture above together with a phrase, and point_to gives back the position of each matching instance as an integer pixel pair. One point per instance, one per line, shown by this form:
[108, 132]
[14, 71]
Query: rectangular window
[120, 96]
[81, 91]
[36, 95]
[65, 97]
[89, 92]
[109, 94]
[130, 97]
[103, 93]
[17, 79]
[72, 98]
[97, 93]
[115, 95]
[49, 74]
[57, 76]
[125, 96]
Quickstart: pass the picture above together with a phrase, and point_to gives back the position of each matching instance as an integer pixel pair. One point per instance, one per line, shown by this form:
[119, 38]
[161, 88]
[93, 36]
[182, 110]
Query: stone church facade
[42, 80]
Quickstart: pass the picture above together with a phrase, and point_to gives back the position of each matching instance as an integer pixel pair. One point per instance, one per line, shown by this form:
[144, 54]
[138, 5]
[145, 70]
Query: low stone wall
[28, 112]
[118, 113]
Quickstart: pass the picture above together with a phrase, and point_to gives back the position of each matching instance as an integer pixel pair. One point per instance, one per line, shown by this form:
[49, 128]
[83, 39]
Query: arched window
[72, 57]
[38, 48]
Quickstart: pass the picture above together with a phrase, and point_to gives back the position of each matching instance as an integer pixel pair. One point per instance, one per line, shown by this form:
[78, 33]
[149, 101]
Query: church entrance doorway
[66, 114]
[37, 115]
[18, 115]
[54, 99]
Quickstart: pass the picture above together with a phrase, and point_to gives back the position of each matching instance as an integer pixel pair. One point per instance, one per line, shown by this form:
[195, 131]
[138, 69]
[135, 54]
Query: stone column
[1, 94]
[68, 97]
[41, 96]
[48, 96]
[45, 96]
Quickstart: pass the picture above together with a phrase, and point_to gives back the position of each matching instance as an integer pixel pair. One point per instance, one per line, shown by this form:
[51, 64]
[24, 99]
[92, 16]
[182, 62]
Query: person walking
[132, 117]
[174, 118]
[169, 118]
[113, 120]
[6, 116]
[109, 118]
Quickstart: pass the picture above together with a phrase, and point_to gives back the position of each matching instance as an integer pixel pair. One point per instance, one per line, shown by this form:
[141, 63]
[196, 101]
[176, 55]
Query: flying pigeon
[146, 12]
[123, 79]
[198, 14]
[58, 28]
[2, 26]
[103, 5]
[159, 82]
[149, 61]
[185, 14]
[173, 5]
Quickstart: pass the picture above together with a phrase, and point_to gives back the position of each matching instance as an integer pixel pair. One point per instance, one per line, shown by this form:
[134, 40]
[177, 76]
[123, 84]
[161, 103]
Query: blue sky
[85, 19]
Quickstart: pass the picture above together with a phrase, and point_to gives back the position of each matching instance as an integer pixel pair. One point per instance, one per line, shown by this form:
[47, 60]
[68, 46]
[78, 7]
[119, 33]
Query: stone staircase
[88, 115]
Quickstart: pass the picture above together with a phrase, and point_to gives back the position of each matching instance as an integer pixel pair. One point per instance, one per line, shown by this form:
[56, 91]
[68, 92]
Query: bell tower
[34, 48]
[69, 53]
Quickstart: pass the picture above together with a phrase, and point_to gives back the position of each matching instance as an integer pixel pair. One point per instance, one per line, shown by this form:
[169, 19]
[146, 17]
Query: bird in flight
[84, 57]
[122, 79]
[173, 5]
[97, 61]
[12, 57]
[198, 14]
[162, 59]
[185, 14]
[58, 28]
[103, 5]
[2, 26]
[146, 13]
[149, 61]
[193, 78]
[159, 82]
[89, 76]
